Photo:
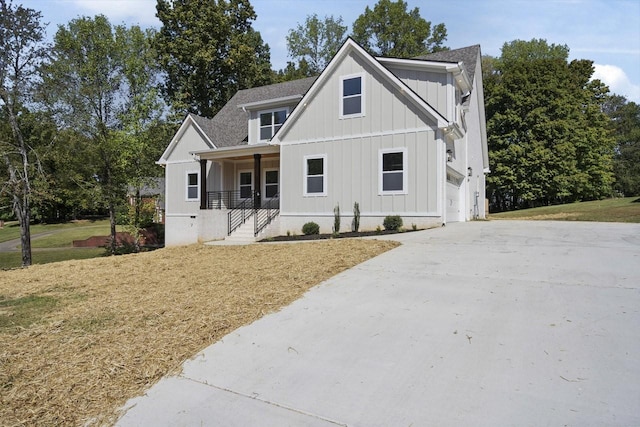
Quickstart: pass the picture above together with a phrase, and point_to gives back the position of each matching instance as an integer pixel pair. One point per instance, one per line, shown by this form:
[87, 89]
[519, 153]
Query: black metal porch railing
[228, 199]
[239, 214]
[265, 214]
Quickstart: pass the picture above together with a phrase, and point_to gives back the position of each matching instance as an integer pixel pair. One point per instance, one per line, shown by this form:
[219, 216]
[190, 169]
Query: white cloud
[142, 12]
[618, 81]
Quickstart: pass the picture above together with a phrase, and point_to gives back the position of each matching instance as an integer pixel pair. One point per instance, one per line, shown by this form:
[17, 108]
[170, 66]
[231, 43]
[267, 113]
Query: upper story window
[270, 122]
[352, 96]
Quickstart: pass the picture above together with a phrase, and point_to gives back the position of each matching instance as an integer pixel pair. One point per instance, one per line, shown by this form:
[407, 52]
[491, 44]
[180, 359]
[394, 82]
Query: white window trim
[264, 181]
[362, 95]
[405, 172]
[272, 110]
[187, 186]
[324, 175]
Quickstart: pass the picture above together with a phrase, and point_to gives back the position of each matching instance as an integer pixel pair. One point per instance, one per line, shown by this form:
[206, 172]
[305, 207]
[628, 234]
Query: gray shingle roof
[467, 55]
[229, 127]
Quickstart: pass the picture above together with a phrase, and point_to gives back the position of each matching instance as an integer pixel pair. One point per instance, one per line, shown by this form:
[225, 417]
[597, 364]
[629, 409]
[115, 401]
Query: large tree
[549, 141]
[389, 29]
[625, 118]
[22, 50]
[316, 41]
[100, 87]
[209, 50]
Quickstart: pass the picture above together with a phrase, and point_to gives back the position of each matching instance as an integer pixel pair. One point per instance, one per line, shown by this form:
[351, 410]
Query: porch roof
[237, 152]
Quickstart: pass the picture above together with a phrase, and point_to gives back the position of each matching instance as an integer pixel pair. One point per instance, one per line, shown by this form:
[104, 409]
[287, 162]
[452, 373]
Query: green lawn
[11, 230]
[609, 210]
[14, 259]
[57, 246]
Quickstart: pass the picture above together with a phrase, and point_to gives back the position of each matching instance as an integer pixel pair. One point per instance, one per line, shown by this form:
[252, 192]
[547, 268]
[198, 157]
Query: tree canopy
[549, 141]
[100, 88]
[389, 29]
[208, 51]
[625, 117]
[22, 51]
[316, 41]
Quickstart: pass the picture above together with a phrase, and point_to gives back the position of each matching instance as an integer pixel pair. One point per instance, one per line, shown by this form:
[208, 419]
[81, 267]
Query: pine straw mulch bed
[109, 328]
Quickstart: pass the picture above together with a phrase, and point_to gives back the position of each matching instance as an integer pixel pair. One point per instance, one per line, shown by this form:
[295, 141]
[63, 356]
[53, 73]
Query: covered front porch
[244, 182]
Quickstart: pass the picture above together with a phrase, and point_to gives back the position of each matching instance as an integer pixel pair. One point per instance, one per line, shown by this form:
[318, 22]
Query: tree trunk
[23, 212]
[112, 222]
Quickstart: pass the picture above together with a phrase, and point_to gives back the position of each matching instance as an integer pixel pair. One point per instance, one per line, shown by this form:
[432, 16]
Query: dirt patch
[565, 216]
[119, 324]
[345, 235]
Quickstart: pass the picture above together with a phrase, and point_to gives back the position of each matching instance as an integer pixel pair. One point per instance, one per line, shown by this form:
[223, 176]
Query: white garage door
[453, 202]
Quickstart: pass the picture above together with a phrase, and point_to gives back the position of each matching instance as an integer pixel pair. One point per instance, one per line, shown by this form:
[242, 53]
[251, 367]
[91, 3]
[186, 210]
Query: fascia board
[224, 152]
[285, 100]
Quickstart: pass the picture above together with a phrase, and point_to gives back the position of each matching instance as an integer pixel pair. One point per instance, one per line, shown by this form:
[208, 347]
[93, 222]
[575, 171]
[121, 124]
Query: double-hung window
[315, 175]
[393, 171]
[270, 122]
[352, 96]
[193, 186]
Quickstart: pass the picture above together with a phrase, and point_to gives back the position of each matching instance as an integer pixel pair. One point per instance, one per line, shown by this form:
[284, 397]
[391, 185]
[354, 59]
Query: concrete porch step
[243, 234]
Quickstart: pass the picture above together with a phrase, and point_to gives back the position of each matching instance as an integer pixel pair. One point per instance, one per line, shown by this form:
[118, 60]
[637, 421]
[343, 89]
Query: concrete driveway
[495, 323]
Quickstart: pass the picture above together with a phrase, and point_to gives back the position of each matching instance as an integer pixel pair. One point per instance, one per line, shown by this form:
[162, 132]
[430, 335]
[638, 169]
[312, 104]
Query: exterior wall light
[449, 156]
[469, 171]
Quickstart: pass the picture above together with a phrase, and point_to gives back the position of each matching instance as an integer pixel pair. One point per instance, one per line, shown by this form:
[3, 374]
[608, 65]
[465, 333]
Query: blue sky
[604, 31]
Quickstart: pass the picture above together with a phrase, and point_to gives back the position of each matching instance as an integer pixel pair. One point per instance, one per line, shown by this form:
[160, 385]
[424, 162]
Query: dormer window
[352, 96]
[270, 122]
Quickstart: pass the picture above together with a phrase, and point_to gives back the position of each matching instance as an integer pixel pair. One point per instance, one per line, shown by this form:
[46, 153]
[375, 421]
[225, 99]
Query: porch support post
[257, 184]
[203, 184]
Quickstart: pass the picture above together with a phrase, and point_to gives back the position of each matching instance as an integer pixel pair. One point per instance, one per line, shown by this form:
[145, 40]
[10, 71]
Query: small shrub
[378, 229]
[356, 217]
[336, 220]
[288, 233]
[310, 228]
[414, 227]
[392, 222]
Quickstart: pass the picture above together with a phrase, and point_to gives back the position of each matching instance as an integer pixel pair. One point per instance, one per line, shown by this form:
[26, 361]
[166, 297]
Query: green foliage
[310, 228]
[101, 87]
[356, 216]
[208, 50]
[22, 51]
[336, 219]
[316, 41]
[391, 30]
[626, 123]
[549, 141]
[392, 222]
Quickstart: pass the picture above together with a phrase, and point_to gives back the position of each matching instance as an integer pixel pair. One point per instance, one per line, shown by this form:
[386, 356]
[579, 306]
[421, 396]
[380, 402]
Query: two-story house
[398, 136]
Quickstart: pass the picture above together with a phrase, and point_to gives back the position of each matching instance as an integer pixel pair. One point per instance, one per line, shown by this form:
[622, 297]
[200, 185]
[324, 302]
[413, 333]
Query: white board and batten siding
[181, 217]
[434, 87]
[352, 148]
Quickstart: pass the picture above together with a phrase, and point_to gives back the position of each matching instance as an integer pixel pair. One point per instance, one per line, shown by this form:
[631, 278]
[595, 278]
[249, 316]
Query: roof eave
[275, 102]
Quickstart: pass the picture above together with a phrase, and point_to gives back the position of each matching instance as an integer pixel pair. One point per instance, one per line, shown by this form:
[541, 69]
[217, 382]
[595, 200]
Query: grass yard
[57, 246]
[609, 210]
[79, 338]
[9, 260]
[11, 230]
